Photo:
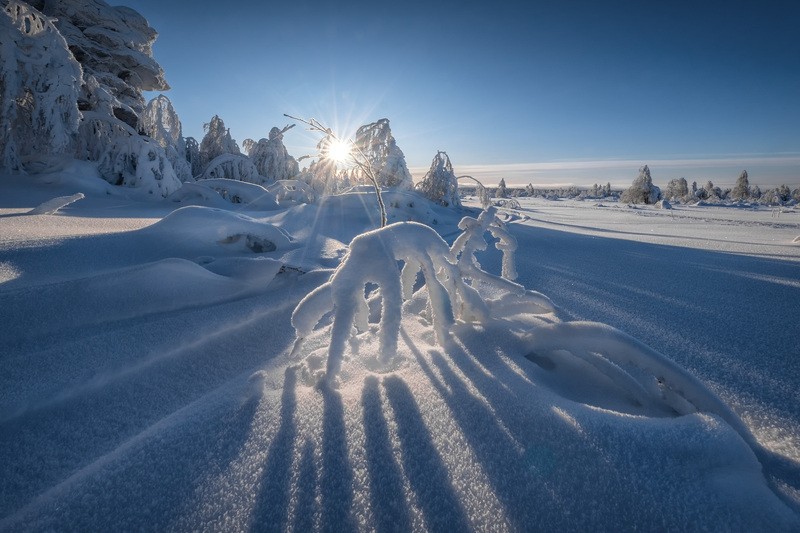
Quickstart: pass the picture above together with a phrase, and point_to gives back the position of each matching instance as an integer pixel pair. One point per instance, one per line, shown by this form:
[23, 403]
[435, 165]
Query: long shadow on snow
[385, 478]
[336, 480]
[272, 504]
[422, 464]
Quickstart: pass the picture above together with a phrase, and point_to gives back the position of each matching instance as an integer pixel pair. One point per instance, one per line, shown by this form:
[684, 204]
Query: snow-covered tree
[440, 184]
[216, 142]
[502, 191]
[271, 158]
[247, 146]
[193, 156]
[529, 191]
[642, 191]
[711, 192]
[39, 82]
[741, 190]
[676, 189]
[388, 163]
[783, 193]
[135, 161]
[232, 167]
[160, 122]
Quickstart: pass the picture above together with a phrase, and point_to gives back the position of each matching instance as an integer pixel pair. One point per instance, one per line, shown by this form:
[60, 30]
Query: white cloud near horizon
[762, 169]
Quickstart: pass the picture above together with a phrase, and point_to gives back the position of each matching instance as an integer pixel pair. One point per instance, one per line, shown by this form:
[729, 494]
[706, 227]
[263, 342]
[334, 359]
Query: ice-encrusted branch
[357, 156]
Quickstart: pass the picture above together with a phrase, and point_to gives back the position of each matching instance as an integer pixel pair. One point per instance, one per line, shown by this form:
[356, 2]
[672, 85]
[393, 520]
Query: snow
[152, 378]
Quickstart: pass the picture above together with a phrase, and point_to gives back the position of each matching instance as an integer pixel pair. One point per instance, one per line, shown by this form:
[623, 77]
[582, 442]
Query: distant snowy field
[151, 380]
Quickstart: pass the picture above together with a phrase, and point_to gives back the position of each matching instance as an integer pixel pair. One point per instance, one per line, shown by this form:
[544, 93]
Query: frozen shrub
[471, 241]
[440, 184]
[372, 258]
[452, 277]
[642, 191]
[39, 82]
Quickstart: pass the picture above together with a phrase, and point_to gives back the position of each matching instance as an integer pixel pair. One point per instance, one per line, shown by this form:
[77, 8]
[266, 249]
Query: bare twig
[360, 159]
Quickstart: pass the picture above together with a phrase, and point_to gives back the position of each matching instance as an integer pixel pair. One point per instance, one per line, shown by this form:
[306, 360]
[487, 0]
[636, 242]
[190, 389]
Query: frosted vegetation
[198, 337]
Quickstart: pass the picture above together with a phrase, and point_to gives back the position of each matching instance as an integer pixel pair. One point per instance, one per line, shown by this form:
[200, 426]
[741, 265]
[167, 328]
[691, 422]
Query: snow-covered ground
[152, 378]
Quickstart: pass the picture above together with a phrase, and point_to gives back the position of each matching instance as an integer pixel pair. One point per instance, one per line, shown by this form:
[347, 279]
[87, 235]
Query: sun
[338, 151]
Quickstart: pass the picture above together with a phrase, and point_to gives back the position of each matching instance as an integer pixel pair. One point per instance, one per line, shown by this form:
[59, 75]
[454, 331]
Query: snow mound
[211, 191]
[51, 206]
[292, 192]
[131, 292]
[212, 229]
[599, 365]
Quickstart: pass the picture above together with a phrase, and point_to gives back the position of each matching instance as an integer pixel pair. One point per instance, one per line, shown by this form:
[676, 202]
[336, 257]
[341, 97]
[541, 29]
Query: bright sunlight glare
[338, 151]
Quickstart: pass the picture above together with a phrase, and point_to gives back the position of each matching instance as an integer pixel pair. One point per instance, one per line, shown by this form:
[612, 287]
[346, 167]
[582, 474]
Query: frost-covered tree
[529, 191]
[160, 122]
[642, 191]
[783, 193]
[216, 142]
[39, 82]
[233, 167]
[247, 146]
[271, 158]
[711, 192]
[741, 190]
[388, 163]
[193, 156]
[676, 189]
[502, 191]
[440, 183]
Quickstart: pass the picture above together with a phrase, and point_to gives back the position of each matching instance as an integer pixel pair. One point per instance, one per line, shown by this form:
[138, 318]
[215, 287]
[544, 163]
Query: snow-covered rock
[114, 47]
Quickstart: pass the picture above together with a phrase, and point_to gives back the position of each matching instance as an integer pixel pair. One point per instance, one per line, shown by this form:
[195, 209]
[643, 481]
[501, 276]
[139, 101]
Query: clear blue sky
[542, 92]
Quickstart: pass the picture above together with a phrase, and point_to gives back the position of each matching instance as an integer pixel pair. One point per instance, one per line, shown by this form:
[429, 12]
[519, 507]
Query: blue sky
[547, 92]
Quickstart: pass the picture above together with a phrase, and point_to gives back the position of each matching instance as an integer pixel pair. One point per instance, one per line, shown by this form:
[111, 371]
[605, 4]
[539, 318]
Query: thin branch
[315, 125]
